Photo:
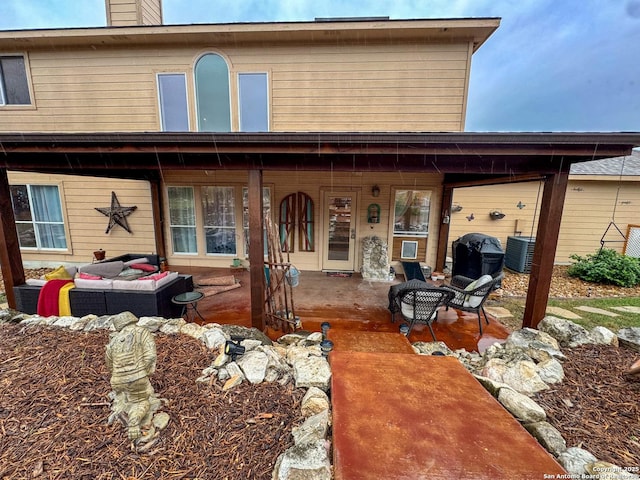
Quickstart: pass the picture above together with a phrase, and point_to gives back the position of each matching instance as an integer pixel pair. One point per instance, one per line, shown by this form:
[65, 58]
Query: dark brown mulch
[597, 406]
[54, 409]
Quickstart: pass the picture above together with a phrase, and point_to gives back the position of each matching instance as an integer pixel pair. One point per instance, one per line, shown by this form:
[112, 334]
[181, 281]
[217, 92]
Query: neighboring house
[338, 129]
[602, 202]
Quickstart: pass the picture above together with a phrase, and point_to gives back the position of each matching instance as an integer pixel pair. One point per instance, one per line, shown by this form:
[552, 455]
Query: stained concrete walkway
[402, 416]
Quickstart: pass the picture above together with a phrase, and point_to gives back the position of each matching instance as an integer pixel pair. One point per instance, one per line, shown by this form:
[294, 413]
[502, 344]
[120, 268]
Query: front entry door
[340, 213]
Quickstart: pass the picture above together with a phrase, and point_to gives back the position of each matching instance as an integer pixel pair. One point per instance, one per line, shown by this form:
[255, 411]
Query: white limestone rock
[566, 332]
[152, 324]
[521, 376]
[309, 461]
[313, 429]
[550, 371]
[253, 365]
[193, 330]
[172, 326]
[548, 436]
[574, 460]
[630, 338]
[213, 338]
[604, 336]
[312, 372]
[520, 406]
[313, 402]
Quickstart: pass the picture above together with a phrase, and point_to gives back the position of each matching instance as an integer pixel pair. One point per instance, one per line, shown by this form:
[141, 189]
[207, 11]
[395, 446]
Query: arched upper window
[212, 94]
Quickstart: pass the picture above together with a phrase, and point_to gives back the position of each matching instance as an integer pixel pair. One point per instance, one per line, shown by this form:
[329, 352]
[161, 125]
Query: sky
[552, 65]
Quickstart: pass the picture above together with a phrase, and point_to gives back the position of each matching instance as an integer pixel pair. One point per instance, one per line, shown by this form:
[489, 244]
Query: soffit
[463, 155]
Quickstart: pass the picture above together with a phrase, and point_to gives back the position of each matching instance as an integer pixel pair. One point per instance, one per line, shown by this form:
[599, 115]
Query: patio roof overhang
[464, 159]
[460, 156]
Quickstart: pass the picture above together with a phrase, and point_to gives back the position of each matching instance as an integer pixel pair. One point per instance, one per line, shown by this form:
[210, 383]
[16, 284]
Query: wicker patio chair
[469, 295]
[420, 305]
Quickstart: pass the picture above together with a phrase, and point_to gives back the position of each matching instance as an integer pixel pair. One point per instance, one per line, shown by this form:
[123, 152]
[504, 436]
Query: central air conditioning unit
[519, 253]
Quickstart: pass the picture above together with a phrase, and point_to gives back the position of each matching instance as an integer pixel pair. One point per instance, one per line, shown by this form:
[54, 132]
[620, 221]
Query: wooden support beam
[158, 220]
[10, 256]
[445, 221]
[256, 249]
[555, 188]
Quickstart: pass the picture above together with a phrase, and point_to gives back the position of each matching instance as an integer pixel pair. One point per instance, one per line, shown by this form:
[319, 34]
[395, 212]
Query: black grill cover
[477, 254]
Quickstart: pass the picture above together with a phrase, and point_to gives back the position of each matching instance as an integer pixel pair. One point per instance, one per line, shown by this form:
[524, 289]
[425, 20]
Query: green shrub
[606, 266]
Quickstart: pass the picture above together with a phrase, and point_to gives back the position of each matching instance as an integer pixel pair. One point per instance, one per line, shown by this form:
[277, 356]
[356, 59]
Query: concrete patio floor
[348, 303]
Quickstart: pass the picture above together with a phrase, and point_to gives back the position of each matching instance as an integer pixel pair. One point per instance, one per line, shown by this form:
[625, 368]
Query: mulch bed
[597, 406]
[54, 409]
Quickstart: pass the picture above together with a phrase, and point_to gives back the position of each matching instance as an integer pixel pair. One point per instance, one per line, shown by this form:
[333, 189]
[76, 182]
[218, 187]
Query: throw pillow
[145, 267]
[59, 273]
[157, 276]
[86, 276]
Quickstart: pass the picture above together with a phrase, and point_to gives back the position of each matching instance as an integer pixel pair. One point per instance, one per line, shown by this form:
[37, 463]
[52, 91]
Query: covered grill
[477, 254]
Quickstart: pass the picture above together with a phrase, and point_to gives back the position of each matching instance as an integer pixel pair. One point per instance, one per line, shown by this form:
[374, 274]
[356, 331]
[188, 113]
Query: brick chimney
[127, 13]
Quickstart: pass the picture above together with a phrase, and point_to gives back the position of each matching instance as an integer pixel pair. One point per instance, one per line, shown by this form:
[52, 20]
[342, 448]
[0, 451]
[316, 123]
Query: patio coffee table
[189, 302]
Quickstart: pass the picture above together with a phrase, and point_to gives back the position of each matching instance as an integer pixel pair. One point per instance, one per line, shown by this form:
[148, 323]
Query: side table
[189, 302]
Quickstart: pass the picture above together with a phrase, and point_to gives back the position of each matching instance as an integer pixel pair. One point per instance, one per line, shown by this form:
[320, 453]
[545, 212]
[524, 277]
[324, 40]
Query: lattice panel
[632, 245]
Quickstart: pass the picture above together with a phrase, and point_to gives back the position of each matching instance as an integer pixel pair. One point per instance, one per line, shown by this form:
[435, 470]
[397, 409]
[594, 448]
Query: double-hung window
[253, 102]
[411, 213]
[219, 217]
[38, 216]
[172, 95]
[14, 87]
[182, 219]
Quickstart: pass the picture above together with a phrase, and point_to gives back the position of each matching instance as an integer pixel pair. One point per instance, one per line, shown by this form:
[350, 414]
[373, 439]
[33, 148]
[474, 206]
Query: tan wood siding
[416, 87]
[122, 12]
[588, 211]
[85, 226]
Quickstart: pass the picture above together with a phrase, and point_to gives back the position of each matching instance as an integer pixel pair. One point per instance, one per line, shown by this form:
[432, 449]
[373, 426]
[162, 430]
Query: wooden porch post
[10, 257]
[555, 188]
[256, 249]
[443, 234]
[158, 223]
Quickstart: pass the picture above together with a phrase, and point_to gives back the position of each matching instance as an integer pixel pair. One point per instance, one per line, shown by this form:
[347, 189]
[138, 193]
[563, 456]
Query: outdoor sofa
[109, 296]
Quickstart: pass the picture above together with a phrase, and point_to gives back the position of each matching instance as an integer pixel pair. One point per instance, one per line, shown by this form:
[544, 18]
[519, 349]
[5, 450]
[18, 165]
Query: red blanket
[48, 299]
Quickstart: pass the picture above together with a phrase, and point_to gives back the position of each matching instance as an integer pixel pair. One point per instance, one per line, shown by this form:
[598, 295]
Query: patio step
[415, 416]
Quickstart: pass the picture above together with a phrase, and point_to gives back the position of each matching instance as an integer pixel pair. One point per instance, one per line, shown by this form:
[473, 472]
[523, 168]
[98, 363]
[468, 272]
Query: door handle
[353, 234]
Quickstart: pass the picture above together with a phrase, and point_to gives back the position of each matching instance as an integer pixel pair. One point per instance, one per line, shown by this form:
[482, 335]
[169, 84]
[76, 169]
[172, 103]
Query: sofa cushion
[35, 282]
[104, 269]
[104, 284]
[145, 284]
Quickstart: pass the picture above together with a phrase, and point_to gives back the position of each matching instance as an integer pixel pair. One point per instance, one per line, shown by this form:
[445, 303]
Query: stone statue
[131, 359]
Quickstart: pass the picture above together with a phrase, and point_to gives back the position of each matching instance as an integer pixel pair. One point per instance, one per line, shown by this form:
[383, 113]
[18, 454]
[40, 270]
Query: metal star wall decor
[117, 214]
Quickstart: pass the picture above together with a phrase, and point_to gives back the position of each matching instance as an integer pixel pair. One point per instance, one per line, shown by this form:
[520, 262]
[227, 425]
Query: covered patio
[459, 159]
[347, 303]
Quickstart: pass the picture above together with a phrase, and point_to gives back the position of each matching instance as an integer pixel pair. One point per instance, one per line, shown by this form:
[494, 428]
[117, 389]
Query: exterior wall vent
[519, 253]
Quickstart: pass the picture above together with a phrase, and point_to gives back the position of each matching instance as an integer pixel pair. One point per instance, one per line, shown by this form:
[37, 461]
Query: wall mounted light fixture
[375, 190]
[455, 208]
[496, 215]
